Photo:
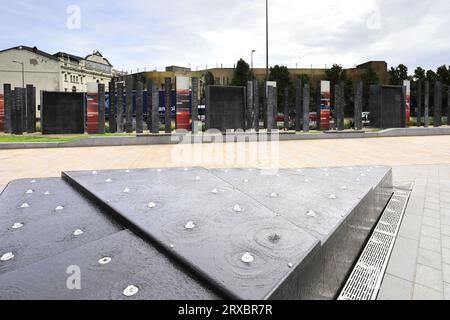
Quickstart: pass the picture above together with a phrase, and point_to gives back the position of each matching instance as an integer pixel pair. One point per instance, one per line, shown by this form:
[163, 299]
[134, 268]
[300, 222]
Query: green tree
[432, 76]
[241, 74]
[336, 74]
[282, 76]
[369, 77]
[420, 74]
[443, 74]
[398, 74]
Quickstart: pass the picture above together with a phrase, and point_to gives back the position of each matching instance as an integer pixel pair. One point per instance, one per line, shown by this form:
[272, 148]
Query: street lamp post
[23, 72]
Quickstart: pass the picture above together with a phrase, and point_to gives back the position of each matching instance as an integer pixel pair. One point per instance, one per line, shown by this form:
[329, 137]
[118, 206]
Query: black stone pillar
[306, 102]
[195, 123]
[419, 103]
[17, 112]
[358, 105]
[339, 93]
[271, 107]
[149, 86]
[286, 107]
[155, 110]
[112, 108]
[168, 105]
[129, 105]
[426, 116]
[437, 114]
[298, 105]
[403, 109]
[448, 106]
[120, 107]
[318, 104]
[250, 105]
[101, 108]
[256, 105]
[139, 108]
[31, 109]
[8, 106]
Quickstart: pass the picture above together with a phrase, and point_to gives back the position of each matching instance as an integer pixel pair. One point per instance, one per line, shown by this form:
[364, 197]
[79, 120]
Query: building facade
[52, 72]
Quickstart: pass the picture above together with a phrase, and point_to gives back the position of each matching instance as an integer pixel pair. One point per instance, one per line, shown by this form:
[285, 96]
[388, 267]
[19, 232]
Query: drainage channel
[365, 280]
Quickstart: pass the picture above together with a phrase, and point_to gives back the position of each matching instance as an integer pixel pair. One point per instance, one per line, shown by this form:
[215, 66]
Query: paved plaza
[420, 264]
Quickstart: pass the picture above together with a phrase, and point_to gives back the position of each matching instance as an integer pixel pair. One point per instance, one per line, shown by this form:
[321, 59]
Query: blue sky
[153, 34]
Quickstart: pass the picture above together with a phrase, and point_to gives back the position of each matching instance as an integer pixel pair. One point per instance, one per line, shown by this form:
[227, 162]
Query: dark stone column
[8, 106]
[155, 109]
[168, 105]
[31, 109]
[120, 107]
[358, 105]
[437, 114]
[318, 105]
[271, 107]
[149, 86]
[139, 108]
[18, 108]
[448, 107]
[341, 103]
[403, 109]
[419, 103]
[250, 105]
[101, 108]
[336, 105]
[112, 108]
[195, 126]
[256, 105]
[129, 105]
[207, 108]
[298, 105]
[286, 107]
[426, 116]
[306, 102]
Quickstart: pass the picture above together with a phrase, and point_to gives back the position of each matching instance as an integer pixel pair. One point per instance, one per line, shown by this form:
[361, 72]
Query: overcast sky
[151, 33]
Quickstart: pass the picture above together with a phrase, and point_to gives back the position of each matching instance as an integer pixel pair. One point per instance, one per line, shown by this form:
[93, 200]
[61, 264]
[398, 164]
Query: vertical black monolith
[195, 123]
[426, 116]
[358, 105]
[256, 105]
[306, 103]
[168, 105]
[30, 109]
[286, 107]
[112, 108]
[249, 111]
[155, 110]
[8, 106]
[120, 107]
[101, 109]
[129, 105]
[419, 103]
[139, 108]
[437, 114]
[17, 112]
[318, 105]
[298, 105]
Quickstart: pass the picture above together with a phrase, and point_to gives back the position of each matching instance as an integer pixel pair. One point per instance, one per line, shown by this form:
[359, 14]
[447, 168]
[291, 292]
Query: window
[65, 77]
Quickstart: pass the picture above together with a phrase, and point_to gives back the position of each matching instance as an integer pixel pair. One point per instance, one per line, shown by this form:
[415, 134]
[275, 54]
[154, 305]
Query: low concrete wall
[182, 138]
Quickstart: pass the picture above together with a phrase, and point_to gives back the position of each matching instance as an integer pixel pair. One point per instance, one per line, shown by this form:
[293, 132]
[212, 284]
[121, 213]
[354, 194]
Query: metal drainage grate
[365, 280]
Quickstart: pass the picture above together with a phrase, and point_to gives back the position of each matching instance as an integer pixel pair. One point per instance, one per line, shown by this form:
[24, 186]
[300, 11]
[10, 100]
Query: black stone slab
[448, 106]
[195, 124]
[359, 105]
[220, 236]
[387, 106]
[8, 106]
[298, 105]
[18, 107]
[112, 107]
[155, 110]
[139, 108]
[133, 262]
[338, 206]
[168, 106]
[31, 109]
[437, 110]
[426, 117]
[225, 108]
[286, 107]
[101, 109]
[419, 101]
[306, 102]
[50, 211]
[256, 107]
[339, 105]
[148, 106]
[120, 107]
[62, 113]
[129, 105]
[249, 112]
[318, 105]
[272, 95]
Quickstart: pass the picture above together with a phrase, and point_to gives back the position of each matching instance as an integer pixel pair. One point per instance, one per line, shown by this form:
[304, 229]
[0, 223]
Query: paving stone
[403, 259]
[430, 244]
[431, 213]
[445, 230]
[431, 232]
[445, 242]
[446, 291]
[394, 288]
[430, 258]
[432, 206]
[424, 293]
[446, 255]
[429, 277]
[411, 227]
[446, 272]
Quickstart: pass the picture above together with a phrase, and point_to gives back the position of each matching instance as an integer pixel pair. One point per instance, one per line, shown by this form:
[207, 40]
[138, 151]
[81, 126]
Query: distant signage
[92, 108]
[407, 84]
[325, 98]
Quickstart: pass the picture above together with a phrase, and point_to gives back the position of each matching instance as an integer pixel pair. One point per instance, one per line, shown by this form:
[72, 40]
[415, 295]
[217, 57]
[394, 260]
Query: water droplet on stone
[344, 187]
[172, 246]
[104, 260]
[59, 208]
[94, 172]
[290, 265]
[130, 291]
[108, 180]
[214, 191]
[152, 205]
[247, 258]
[126, 190]
[332, 196]
[29, 191]
[197, 178]
[17, 225]
[33, 181]
[363, 175]
[237, 208]
[46, 193]
[190, 225]
[7, 256]
[306, 180]
[311, 213]
[274, 195]
[25, 205]
[246, 181]
[78, 232]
